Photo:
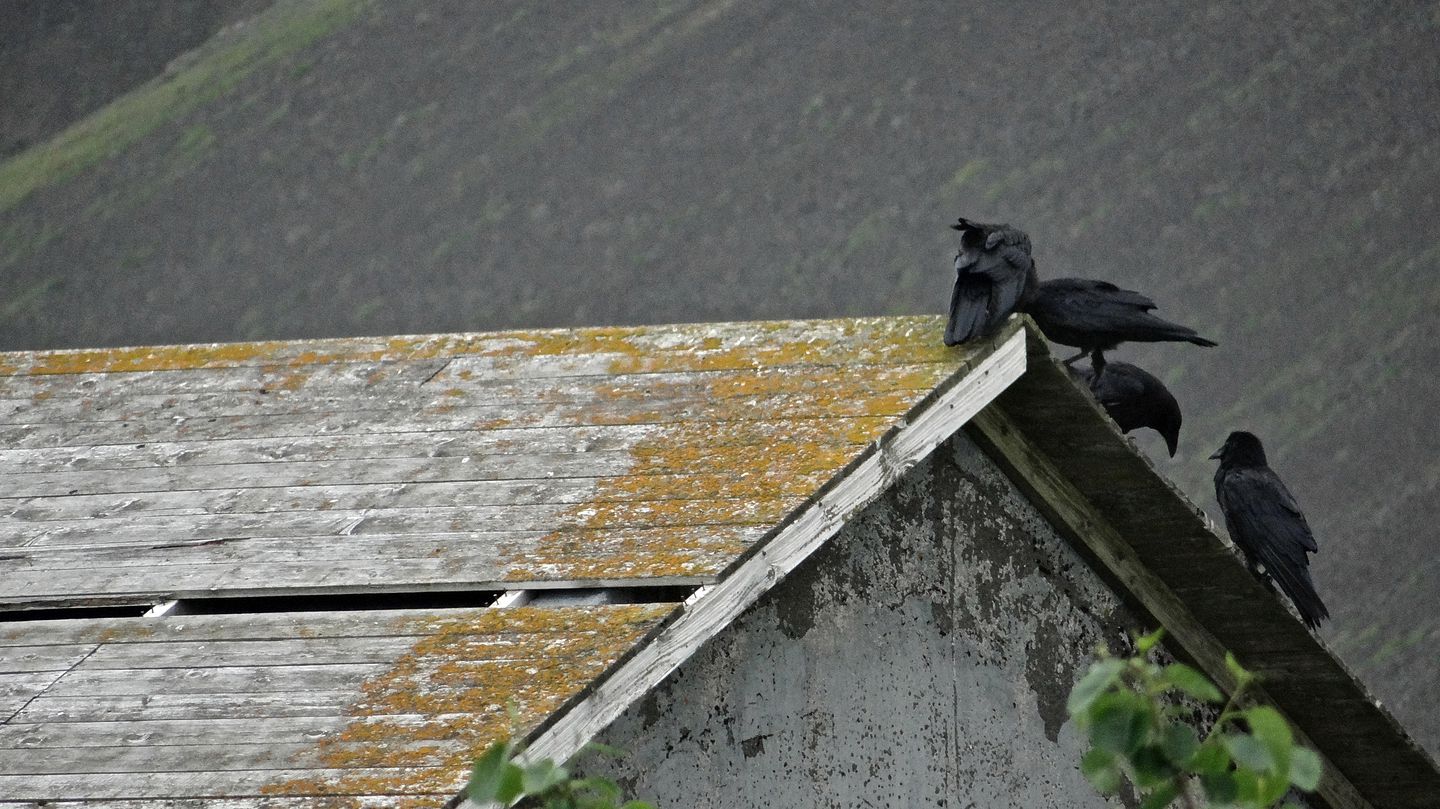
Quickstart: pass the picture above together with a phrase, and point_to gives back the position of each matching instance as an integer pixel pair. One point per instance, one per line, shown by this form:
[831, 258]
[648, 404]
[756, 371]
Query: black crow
[993, 272]
[1133, 397]
[1097, 316]
[1266, 524]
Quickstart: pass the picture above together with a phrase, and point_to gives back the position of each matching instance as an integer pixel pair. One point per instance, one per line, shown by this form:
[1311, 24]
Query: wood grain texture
[493, 462]
[299, 704]
[435, 462]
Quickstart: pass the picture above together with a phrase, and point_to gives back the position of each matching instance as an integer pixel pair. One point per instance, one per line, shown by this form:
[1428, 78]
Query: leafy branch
[1247, 760]
[497, 778]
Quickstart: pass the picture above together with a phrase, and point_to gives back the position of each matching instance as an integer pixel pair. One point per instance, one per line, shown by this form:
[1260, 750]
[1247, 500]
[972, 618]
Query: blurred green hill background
[1268, 171]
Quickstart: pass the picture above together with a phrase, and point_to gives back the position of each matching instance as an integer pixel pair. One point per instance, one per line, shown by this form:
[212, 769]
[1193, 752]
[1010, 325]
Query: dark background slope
[60, 59]
[1269, 173]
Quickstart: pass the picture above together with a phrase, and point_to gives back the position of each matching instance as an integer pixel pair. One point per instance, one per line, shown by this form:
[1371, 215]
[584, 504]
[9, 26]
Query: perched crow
[1265, 522]
[1097, 316]
[1133, 397]
[993, 272]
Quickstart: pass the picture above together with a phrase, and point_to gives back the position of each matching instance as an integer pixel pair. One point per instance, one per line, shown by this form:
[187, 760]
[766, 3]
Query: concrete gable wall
[922, 658]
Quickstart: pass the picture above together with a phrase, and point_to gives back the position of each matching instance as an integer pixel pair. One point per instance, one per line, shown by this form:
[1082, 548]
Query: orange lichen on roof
[759, 468]
[633, 349]
[456, 690]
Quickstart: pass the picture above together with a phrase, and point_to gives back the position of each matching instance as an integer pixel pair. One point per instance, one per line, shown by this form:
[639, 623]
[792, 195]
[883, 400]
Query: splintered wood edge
[934, 421]
[1068, 510]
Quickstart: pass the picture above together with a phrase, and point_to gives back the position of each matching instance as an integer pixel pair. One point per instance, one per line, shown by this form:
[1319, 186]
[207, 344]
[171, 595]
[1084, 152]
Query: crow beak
[957, 227]
[1217, 454]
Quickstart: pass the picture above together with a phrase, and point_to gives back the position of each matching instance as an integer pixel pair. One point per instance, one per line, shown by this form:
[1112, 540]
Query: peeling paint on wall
[922, 658]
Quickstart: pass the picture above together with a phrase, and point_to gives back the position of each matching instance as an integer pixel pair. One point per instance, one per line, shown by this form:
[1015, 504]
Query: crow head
[1240, 449]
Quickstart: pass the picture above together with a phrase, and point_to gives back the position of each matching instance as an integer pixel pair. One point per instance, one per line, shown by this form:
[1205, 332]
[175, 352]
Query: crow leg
[1083, 353]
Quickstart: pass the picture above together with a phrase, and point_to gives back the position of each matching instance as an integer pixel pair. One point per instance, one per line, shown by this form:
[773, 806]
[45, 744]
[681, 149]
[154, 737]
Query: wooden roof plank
[405, 494]
[479, 552]
[407, 420]
[268, 802]
[280, 426]
[49, 657]
[445, 676]
[64, 711]
[207, 785]
[276, 379]
[324, 484]
[759, 386]
[18, 688]
[696, 346]
[235, 754]
[421, 444]
[182, 732]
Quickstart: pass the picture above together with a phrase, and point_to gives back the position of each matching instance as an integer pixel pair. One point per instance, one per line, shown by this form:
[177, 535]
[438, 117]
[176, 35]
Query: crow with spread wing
[993, 273]
[1097, 316]
[1133, 397]
[1265, 522]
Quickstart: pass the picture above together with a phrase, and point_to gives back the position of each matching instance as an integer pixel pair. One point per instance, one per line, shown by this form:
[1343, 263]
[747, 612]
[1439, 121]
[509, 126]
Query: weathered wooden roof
[214, 475]
[380, 704]
[447, 462]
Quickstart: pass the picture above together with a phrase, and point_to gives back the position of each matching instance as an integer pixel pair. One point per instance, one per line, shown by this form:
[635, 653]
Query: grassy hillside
[61, 59]
[1269, 173]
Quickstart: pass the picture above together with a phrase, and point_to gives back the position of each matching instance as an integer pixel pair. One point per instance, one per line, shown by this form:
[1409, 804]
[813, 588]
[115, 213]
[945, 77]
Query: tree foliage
[1137, 732]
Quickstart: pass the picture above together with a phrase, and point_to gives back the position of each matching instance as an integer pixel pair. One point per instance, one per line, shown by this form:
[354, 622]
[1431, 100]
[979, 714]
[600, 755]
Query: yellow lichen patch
[442, 702]
[698, 347]
[793, 435]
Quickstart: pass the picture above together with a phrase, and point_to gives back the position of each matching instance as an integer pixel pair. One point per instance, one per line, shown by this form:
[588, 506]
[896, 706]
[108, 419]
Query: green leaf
[1304, 769]
[540, 776]
[1100, 769]
[1211, 758]
[510, 783]
[1241, 675]
[1248, 783]
[1119, 720]
[601, 789]
[1248, 752]
[1161, 797]
[486, 775]
[1144, 643]
[1220, 787]
[637, 805]
[1151, 768]
[1179, 744]
[1272, 788]
[1191, 682]
[1267, 725]
[1096, 681]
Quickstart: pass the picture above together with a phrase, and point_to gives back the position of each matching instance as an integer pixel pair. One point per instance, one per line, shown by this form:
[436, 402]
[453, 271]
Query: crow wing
[989, 282]
[1265, 521]
[1098, 304]
[1098, 312]
[1125, 397]
[969, 303]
